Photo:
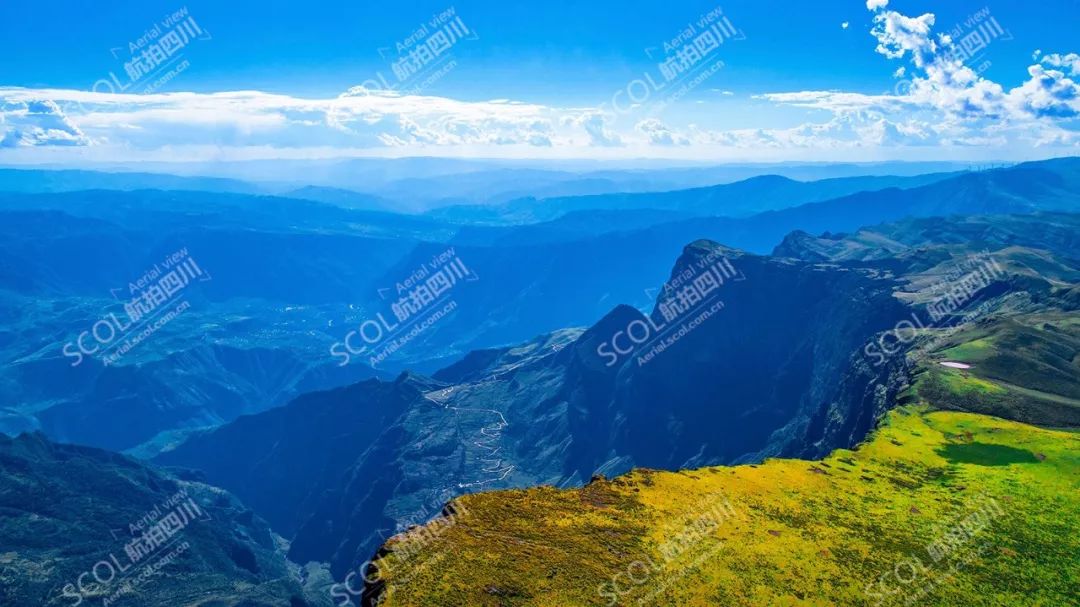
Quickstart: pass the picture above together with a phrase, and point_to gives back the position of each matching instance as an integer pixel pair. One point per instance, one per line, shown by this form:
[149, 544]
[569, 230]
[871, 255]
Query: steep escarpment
[943, 497]
[997, 277]
[743, 358]
[744, 382]
[738, 357]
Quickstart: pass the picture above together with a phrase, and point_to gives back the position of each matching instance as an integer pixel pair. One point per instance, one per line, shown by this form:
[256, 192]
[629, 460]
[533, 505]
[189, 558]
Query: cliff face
[960, 337]
[743, 358]
[744, 383]
[863, 394]
[741, 354]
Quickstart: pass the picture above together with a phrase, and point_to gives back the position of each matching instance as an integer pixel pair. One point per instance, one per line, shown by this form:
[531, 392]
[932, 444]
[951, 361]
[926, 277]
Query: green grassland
[939, 506]
[1025, 368]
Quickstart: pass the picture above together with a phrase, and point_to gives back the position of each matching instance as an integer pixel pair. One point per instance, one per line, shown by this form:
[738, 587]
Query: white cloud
[595, 125]
[1049, 93]
[946, 103]
[899, 35]
[942, 103]
[1070, 61]
[359, 119]
[37, 122]
[874, 5]
[659, 133]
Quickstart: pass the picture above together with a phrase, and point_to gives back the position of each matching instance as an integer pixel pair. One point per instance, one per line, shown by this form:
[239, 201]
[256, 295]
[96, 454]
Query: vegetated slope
[782, 369]
[67, 510]
[947, 508]
[826, 533]
[1025, 368]
[299, 450]
[1056, 232]
[738, 377]
[205, 367]
[256, 333]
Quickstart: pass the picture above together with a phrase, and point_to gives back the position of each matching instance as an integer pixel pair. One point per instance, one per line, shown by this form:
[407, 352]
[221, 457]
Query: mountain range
[554, 411]
[944, 495]
[291, 276]
[909, 339]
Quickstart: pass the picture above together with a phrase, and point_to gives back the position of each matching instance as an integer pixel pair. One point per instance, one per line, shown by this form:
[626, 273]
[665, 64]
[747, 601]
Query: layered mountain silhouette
[746, 197]
[548, 372]
[292, 277]
[782, 351]
[989, 335]
[781, 367]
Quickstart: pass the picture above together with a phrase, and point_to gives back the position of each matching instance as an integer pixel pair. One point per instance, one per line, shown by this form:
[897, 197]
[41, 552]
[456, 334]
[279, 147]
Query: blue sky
[557, 71]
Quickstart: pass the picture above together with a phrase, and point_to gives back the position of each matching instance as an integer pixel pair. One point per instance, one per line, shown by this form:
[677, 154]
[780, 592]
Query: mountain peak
[704, 247]
[416, 381]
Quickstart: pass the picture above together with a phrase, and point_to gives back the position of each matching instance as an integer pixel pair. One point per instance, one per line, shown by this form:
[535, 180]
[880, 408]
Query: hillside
[82, 525]
[1024, 368]
[934, 504]
[291, 278]
[786, 366]
[797, 532]
[560, 407]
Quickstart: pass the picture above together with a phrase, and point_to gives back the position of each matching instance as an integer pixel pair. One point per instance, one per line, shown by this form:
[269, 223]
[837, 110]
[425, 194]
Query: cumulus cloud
[1048, 93]
[899, 35]
[37, 122]
[941, 102]
[659, 133]
[948, 86]
[357, 119]
[595, 124]
[1071, 62]
[945, 102]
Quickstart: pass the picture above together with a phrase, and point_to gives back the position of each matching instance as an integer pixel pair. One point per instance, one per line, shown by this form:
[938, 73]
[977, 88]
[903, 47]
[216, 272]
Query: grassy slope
[1025, 368]
[788, 532]
[802, 533]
